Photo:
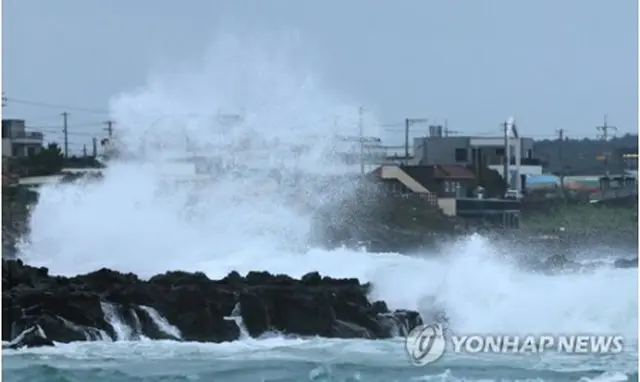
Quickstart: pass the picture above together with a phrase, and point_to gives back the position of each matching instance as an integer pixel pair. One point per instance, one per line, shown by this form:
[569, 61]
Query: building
[17, 142]
[478, 152]
[627, 158]
[452, 188]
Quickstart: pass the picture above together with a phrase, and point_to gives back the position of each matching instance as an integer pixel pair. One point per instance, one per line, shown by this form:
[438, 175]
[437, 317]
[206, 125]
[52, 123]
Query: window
[457, 188]
[462, 155]
[31, 151]
[452, 187]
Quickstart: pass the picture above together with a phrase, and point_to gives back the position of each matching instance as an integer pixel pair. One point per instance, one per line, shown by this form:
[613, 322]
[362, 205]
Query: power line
[46, 120]
[56, 127]
[9, 100]
[471, 134]
[57, 131]
[401, 129]
[447, 131]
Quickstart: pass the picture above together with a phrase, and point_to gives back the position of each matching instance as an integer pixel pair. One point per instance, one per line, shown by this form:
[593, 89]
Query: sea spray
[236, 316]
[134, 221]
[287, 126]
[161, 323]
[122, 331]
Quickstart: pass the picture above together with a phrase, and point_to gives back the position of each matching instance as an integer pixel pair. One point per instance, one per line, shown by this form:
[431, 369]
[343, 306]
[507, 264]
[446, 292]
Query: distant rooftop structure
[441, 149]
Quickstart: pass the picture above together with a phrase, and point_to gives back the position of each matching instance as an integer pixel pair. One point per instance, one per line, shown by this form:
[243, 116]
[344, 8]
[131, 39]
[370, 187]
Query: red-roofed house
[441, 183]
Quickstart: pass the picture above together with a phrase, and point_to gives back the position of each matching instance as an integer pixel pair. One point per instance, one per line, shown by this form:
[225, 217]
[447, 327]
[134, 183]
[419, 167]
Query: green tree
[48, 161]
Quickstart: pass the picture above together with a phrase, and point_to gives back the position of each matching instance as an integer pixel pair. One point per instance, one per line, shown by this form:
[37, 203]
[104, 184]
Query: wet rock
[33, 336]
[107, 304]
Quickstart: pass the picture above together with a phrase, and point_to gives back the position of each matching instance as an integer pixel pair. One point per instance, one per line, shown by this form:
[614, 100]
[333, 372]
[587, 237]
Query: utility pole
[561, 156]
[510, 132]
[507, 155]
[361, 138]
[95, 147]
[408, 122]
[109, 128]
[605, 137]
[84, 150]
[605, 129]
[65, 130]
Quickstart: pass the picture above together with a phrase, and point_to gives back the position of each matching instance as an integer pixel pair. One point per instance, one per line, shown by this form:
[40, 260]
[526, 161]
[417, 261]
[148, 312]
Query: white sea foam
[134, 221]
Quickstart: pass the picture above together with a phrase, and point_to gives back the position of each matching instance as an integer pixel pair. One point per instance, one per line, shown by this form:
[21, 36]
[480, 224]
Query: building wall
[448, 206]
[6, 147]
[23, 150]
[524, 169]
[442, 150]
[17, 142]
[436, 150]
[12, 127]
[538, 182]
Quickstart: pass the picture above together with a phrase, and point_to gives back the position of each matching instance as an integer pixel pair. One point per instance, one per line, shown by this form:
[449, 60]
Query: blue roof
[532, 179]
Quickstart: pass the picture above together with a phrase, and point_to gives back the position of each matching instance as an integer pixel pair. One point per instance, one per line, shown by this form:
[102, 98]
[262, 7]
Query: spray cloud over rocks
[135, 220]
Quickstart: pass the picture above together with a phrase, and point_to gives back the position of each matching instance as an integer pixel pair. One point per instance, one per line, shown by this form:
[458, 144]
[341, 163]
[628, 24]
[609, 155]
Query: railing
[394, 172]
[431, 198]
[492, 161]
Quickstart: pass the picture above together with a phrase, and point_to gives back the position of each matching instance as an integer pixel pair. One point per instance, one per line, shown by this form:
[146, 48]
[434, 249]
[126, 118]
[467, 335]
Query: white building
[17, 142]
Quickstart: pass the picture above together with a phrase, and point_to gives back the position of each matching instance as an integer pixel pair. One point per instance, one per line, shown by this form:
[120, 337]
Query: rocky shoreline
[39, 309]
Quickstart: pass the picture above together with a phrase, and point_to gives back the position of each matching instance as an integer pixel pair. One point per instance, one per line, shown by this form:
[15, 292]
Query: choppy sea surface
[138, 219]
[278, 359]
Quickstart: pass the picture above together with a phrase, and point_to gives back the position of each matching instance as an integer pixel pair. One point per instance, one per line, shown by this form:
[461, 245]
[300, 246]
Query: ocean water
[139, 219]
[278, 359]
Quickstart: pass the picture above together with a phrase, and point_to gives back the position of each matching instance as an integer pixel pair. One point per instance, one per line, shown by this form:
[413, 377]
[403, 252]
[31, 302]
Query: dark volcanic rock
[178, 305]
[33, 336]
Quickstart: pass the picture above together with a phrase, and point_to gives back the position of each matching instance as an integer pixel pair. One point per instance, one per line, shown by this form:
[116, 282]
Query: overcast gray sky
[550, 63]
